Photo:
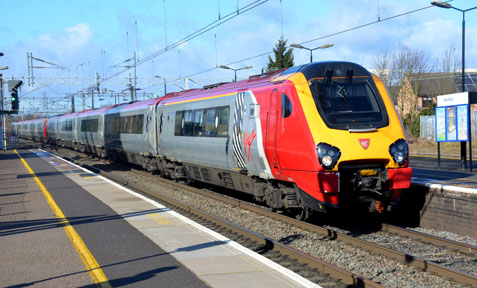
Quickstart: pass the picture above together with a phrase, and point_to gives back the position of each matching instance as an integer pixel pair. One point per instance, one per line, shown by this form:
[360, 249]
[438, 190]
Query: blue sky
[87, 36]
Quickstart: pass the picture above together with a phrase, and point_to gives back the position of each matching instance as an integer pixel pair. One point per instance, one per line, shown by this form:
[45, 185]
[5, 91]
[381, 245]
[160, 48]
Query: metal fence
[428, 126]
[8, 141]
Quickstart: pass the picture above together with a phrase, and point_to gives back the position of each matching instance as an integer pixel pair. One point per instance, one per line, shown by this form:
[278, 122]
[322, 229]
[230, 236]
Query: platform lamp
[235, 70]
[311, 49]
[446, 5]
[165, 83]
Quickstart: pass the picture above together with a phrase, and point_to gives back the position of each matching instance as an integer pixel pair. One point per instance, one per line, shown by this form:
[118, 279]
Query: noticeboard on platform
[452, 117]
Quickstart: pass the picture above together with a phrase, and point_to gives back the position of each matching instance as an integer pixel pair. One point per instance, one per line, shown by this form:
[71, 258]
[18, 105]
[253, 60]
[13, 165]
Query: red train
[304, 139]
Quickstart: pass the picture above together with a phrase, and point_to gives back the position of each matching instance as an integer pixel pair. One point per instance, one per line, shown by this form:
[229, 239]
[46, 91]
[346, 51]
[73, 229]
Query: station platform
[446, 198]
[63, 226]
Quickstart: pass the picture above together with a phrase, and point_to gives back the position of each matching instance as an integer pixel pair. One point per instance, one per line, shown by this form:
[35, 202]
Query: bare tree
[408, 65]
[382, 66]
[406, 73]
[446, 69]
[400, 70]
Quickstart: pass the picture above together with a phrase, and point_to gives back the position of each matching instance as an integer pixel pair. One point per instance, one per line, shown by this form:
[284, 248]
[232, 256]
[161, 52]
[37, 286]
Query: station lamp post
[235, 70]
[4, 144]
[311, 49]
[446, 5]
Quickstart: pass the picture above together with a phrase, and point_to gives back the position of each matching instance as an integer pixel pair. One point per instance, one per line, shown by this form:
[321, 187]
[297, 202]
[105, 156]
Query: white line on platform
[443, 187]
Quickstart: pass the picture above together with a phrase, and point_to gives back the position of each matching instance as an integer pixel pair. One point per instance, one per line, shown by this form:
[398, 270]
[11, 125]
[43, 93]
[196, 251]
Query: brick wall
[439, 209]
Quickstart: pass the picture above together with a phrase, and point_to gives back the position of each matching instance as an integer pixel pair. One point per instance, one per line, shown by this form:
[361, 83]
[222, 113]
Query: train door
[150, 133]
[45, 133]
[74, 133]
[271, 138]
[101, 130]
[160, 126]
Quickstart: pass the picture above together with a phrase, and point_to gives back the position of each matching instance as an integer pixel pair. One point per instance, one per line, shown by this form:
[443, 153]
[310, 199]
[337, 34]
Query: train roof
[69, 115]
[94, 112]
[222, 89]
[137, 105]
[30, 121]
[54, 117]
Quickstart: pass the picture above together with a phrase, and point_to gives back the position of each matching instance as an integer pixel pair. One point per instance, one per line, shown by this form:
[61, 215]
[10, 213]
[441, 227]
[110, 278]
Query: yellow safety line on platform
[89, 262]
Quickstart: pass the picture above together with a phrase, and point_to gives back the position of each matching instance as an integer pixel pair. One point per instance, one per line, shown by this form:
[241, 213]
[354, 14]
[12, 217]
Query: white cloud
[247, 35]
[66, 45]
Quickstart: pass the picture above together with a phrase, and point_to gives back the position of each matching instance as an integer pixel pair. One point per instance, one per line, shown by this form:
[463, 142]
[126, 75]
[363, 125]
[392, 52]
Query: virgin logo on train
[364, 143]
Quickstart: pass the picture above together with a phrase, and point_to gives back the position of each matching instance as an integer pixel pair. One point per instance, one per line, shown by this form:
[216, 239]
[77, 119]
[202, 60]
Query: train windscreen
[347, 98]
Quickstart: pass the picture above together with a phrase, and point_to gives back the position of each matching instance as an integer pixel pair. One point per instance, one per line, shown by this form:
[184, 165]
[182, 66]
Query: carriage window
[178, 126]
[67, 125]
[187, 123]
[198, 123]
[286, 106]
[137, 124]
[89, 125]
[223, 128]
[254, 110]
[133, 124]
[51, 126]
[210, 122]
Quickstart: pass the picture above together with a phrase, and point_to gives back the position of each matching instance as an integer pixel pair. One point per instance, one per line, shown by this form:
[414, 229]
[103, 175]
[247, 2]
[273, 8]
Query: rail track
[416, 261]
[460, 249]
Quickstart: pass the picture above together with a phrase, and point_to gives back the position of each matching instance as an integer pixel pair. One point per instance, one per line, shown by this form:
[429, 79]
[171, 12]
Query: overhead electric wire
[319, 38]
[193, 35]
[31, 91]
[204, 29]
[129, 27]
[225, 19]
[367, 24]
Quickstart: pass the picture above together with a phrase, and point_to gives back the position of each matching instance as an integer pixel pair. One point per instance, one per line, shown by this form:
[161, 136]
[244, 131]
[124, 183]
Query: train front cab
[356, 153]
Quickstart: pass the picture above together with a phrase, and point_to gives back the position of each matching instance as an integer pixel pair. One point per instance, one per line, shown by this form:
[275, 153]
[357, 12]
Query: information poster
[452, 118]
[441, 124]
[451, 123]
[462, 123]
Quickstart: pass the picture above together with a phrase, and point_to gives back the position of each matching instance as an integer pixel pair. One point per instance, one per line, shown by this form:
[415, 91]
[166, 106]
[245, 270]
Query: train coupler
[377, 206]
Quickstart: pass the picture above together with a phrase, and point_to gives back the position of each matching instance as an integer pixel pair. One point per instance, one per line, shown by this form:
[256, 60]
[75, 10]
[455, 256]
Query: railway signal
[13, 86]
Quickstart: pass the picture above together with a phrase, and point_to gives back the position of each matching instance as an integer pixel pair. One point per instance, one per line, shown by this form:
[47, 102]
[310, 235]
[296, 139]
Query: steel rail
[461, 247]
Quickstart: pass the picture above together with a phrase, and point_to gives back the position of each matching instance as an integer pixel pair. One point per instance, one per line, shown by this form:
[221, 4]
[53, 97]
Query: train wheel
[302, 214]
[190, 181]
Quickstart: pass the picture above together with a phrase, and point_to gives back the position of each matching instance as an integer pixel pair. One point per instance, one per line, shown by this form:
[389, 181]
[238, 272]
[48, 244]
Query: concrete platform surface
[120, 228]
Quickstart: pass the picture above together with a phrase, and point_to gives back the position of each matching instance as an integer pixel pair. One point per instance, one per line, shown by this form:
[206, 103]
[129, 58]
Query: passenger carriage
[129, 132]
[67, 130]
[90, 132]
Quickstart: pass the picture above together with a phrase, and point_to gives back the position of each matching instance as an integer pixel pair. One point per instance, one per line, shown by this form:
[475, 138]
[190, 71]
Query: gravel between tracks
[441, 255]
[447, 235]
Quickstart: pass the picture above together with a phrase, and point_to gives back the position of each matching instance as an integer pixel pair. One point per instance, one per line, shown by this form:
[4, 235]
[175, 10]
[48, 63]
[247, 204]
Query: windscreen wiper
[342, 89]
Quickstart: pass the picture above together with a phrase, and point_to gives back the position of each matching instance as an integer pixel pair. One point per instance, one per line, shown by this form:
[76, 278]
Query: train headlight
[328, 155]
[399, 151]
